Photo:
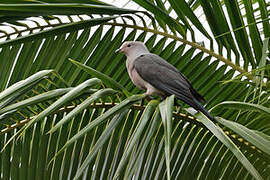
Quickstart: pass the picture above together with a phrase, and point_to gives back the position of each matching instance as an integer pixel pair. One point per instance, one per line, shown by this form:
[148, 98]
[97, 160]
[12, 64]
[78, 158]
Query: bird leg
[146, 97]
[176, 103]
[162, 97]
[149, 98]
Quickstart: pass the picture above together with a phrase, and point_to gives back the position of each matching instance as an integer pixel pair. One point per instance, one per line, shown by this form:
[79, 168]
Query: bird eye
[128, 45]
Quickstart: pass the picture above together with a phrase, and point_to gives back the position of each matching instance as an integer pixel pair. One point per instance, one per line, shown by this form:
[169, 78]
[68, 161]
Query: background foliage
[83, 118]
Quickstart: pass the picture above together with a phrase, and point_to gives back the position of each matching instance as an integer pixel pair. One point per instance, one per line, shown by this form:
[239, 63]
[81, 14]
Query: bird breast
[135, 77]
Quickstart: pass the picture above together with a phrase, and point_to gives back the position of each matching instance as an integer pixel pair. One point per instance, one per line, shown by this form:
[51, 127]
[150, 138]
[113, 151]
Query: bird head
[133, 48]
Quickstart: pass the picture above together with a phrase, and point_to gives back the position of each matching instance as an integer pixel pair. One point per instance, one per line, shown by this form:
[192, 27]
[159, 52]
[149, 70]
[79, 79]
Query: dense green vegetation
[69, 110]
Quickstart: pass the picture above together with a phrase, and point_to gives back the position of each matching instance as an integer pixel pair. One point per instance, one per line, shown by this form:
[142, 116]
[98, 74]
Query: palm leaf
[97, 142]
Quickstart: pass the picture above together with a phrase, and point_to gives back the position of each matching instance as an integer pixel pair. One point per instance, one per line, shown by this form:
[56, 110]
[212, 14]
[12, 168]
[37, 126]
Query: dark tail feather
[197, 95]
[204, 111]
[193, 102]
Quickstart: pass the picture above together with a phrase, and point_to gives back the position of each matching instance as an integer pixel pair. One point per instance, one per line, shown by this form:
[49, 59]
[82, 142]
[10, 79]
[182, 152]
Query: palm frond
[71, 130]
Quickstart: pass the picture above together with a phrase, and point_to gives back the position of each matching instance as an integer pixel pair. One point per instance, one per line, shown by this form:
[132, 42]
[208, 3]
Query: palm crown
[69, 110]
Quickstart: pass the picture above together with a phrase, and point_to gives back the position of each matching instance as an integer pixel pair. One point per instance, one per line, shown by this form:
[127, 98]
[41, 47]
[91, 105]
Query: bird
[156, 76]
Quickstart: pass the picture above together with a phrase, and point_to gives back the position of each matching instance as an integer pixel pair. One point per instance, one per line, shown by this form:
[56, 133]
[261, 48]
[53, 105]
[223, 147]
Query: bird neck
[132, 55]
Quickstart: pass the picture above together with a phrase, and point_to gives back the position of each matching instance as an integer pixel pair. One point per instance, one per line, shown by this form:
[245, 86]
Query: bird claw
[149, 98]
[146, 97]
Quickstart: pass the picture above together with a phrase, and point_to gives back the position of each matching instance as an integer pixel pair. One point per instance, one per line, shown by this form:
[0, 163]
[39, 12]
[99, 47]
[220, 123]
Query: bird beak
[118, 50]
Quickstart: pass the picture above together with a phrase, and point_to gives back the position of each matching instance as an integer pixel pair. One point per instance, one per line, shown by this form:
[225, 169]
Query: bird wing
[165, 77]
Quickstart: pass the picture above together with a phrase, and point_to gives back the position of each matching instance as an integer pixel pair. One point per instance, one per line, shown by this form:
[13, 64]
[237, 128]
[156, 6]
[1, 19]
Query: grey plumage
[155, 75]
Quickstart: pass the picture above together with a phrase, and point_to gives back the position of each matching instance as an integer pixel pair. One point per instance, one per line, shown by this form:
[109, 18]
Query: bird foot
[146, 97]
[149, 98]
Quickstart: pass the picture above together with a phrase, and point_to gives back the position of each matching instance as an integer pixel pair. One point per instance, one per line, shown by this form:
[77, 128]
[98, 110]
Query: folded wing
[165, 77]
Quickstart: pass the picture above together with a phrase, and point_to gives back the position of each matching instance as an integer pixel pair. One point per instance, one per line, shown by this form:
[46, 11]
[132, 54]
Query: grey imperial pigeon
[155, 75]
